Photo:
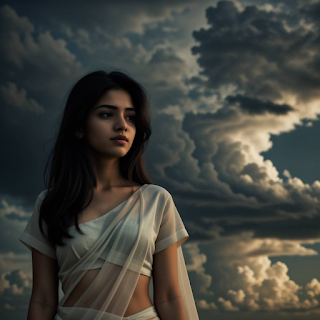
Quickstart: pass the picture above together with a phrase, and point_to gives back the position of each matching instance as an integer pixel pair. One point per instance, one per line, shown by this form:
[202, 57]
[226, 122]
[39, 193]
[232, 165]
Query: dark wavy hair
[71, 175]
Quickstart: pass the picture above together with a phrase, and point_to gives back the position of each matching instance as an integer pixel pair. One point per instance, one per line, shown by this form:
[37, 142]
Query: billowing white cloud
[203, 304]
[237, 296]
[203, 280]
[227, 305]
[248, 280]
[313, 287]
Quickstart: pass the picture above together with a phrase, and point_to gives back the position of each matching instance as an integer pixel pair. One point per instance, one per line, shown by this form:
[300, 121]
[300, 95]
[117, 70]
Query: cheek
[97, 126]
[97, 130]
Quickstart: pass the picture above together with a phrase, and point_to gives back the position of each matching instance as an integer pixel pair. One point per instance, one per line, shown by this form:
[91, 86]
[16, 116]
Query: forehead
[117, 98]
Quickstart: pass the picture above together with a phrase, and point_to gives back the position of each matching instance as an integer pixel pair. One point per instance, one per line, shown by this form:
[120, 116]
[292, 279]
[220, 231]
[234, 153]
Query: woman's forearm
[41, 311]
[171, 309]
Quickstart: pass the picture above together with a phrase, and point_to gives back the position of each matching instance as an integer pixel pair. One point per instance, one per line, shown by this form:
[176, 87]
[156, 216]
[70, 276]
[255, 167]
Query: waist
[141, 291]
[82, 313]
[140, 300]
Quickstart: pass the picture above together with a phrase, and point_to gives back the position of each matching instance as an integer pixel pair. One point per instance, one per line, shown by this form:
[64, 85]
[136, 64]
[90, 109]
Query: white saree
[100, 269]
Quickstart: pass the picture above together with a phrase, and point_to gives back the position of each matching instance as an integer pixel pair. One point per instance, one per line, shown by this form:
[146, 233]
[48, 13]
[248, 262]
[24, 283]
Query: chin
[120, 153]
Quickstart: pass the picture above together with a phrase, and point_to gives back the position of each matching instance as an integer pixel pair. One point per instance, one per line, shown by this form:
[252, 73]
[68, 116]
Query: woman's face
[105, 122]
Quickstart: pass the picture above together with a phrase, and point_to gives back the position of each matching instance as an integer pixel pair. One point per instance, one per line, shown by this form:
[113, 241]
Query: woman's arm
[45, 295]
[167, 298]
[41, 311]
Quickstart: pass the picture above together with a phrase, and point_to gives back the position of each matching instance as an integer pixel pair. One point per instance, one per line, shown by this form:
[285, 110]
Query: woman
[119, 229]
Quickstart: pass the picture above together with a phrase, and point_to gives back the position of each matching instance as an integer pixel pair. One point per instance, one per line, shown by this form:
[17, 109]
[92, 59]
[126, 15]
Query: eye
[132, 116]
[104, 113]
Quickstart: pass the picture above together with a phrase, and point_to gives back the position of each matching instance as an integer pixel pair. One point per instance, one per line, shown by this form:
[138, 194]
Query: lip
[119, 141]
[120, 137]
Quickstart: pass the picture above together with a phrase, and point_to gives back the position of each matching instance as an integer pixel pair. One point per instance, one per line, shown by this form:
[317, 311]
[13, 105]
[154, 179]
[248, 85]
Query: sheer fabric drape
[105, 293]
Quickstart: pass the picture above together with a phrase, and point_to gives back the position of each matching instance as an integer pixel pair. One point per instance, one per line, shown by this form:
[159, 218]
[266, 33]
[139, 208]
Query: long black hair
[71, 175]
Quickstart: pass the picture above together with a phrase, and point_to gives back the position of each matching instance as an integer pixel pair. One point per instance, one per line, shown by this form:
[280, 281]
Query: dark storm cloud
[246, 206]
[256, 106]
[255, 51]
[25, 139]
[16, 217]
[263, 58]
[311, 11]
[38, 66]
[293, 219]
[100, 16]
[209, 162]
[303, 228]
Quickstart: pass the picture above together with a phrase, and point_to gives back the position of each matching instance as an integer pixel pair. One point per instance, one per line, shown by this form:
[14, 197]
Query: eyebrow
[113, 107]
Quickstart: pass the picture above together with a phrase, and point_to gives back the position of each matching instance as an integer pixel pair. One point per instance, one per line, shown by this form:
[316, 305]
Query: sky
[234, 91]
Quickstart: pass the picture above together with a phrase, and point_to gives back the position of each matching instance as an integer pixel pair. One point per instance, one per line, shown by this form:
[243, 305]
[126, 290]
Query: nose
[120, 123]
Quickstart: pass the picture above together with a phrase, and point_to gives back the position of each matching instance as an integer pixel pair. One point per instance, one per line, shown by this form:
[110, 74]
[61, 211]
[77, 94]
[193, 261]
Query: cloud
[202, 281]
[108, 20]
[12, 27]
[15, 282]
[237, 296]
[18, 99]
[243, 278]
[262, 79]
[227, 305]
[238, 185]
[15, 259]
[249, 282]
[250, 247]
[311, 11]
[35, 69]
[15, 290]
[313, 287]
[217, 155]
[45, 61]
[258, 52]
[255, 106]
[203, 304]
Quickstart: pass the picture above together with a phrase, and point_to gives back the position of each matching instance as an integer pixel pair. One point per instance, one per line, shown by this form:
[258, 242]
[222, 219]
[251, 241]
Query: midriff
[140, 299]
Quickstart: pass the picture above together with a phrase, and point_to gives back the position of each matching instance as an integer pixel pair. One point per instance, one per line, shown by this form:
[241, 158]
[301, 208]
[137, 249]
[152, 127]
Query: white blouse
[161, 229]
